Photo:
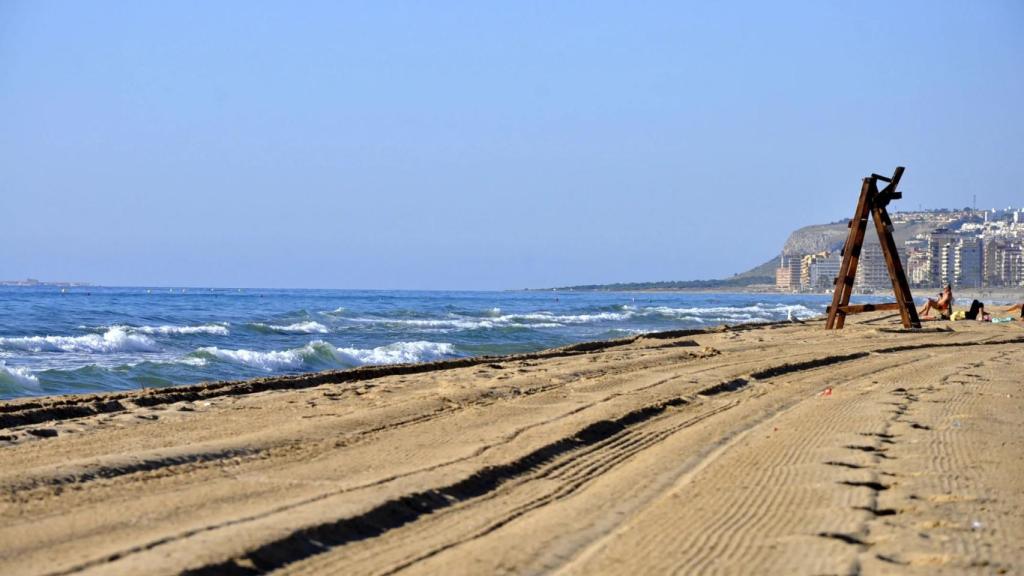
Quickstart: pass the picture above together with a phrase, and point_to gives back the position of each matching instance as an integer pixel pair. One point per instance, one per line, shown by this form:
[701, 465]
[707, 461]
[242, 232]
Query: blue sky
[482, 145]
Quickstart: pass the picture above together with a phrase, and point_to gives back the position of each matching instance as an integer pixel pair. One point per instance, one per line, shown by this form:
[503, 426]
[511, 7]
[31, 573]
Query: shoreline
[827, 450]
[1000, 295]
[88, 403]
[236, 336]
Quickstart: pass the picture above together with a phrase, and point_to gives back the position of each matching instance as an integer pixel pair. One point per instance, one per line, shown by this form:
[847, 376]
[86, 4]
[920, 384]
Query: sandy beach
[773, 449]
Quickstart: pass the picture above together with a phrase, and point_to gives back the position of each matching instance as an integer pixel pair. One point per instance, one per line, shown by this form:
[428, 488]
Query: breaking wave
[320, 354]
[17, 378]
[400, 353]
[115, 339]
[269, 361]
[620, 313]
[214, 329]
[530, 320]
[309, 327]
[753, 313]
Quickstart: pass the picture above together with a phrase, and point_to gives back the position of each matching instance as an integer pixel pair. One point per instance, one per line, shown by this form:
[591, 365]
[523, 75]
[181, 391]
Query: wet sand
[779, 449]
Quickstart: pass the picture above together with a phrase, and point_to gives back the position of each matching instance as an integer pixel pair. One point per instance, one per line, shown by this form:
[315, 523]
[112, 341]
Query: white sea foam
[400, 353]
[755, 312]
[760, 312]
[215, 329]
[528, 320]
[269, 361]
[309, 327]
[573, 318]
[18, 377]
[115, 339]
[326, 354]
[630, 331]
[460, 323]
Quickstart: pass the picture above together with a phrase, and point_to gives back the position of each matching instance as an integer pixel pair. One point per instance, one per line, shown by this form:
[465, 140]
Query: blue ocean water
[98, 339]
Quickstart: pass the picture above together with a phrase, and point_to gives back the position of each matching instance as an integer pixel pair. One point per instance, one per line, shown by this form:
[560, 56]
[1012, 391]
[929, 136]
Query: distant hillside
[806, 240]
[821, 237]
[734, 282]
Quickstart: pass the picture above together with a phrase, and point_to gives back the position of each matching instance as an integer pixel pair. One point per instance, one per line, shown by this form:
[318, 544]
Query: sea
[93, 339]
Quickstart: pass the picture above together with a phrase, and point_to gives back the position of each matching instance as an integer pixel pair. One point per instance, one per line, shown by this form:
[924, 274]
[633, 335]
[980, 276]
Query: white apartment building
[966, 259]
[818, 271]
[872, 272]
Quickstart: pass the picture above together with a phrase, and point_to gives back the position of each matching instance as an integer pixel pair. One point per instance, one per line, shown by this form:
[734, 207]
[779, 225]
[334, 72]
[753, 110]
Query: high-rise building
[872, 271]
[991, 275]
[967, 262]
[917, 267]
[1008, 264]
[818, 271]
[787, 275]
[1003, 263]
[940, 270]
[1013, 266]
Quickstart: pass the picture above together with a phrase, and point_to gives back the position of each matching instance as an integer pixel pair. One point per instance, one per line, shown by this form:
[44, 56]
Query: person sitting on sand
[944, 304]
[1017, 307]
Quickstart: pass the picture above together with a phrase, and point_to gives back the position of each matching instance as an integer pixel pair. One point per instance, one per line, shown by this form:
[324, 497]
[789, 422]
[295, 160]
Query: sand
[780, 449]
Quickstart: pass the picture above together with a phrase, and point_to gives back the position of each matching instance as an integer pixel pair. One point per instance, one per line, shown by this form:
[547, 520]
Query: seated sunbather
[1017, 307]
[944, 304]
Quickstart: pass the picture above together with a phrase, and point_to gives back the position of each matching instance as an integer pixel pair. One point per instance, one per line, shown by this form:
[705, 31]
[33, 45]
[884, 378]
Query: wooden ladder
[872, 203]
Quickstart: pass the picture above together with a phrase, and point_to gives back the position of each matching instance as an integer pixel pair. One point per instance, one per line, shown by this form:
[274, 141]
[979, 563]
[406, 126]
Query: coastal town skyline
[963, 248]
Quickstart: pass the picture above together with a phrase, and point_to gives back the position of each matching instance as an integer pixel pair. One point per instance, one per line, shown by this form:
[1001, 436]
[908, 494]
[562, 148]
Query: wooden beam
[858, 308]
[851, 254]
[900, 286]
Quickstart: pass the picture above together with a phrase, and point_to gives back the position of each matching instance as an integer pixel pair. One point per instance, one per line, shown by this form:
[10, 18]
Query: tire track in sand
[336, 534]
[379, 558]
[714, 520]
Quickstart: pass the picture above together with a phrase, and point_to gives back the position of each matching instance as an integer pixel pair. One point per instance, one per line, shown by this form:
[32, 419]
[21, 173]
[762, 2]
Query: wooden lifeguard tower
[872, 202]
